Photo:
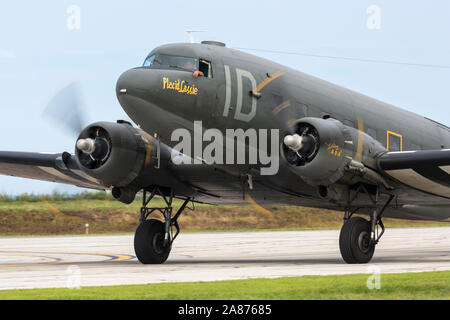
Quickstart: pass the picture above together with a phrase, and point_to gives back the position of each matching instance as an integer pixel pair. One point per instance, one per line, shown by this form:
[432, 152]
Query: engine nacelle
[317, 150]
[113, 153]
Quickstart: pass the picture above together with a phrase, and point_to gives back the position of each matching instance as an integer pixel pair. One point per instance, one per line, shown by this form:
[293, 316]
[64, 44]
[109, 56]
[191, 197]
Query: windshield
[149, 61]
[172, 62]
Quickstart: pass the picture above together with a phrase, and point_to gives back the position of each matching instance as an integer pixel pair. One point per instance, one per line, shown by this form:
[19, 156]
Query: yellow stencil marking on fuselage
[268, 80]
[334, 149]
[397, 135]
[359, 149]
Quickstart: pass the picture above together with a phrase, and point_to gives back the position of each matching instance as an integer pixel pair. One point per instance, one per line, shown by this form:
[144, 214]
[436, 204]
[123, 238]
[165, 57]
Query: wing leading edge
[427, 170]
[52, 167]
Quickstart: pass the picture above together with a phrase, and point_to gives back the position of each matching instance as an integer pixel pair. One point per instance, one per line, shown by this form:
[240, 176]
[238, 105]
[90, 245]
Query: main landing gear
[153, 238]
[359, 236]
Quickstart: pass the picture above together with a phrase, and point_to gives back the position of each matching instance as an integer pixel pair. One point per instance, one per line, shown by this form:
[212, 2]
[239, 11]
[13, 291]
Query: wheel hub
[158, 243]
[364, 241]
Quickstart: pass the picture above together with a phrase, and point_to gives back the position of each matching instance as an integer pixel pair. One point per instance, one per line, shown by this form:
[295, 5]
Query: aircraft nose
[130, 82]
[138, 92]
[132, 90]
[143, 96]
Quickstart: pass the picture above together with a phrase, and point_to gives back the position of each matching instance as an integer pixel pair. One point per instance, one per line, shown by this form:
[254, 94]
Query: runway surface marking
[40, 262]
[113, 257]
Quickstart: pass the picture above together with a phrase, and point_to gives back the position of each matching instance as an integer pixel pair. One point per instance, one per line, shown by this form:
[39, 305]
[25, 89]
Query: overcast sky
[42, 48]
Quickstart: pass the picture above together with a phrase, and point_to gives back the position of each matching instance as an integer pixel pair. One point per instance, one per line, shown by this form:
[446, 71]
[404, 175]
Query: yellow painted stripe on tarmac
[114, 258]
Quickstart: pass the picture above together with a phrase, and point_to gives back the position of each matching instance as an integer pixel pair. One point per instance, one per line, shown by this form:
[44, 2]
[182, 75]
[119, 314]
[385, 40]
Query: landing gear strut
[153, 238]
[359, 236]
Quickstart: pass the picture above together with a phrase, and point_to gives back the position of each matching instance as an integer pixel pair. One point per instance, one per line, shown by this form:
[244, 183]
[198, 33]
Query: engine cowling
[114, 153]
[317, 150]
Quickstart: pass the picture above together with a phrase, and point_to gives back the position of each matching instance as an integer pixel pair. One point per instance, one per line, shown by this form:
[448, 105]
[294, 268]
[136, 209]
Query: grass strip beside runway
[426, 285]
[59, 216]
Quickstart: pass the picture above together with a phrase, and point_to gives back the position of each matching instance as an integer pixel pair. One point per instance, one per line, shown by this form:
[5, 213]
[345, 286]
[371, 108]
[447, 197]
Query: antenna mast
[190, 32]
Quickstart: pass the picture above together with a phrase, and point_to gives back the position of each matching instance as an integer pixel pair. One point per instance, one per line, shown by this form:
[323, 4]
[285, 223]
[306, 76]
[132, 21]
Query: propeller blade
[283, 113]
[65, 108]
[360, 146]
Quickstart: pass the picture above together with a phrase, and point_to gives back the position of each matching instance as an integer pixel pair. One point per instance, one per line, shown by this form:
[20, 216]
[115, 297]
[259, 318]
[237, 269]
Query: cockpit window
[165, 60]
[205, 68]
[149, 61]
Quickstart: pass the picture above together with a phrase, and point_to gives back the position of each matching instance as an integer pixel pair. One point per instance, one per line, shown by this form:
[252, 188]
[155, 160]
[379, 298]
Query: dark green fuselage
[285, 96]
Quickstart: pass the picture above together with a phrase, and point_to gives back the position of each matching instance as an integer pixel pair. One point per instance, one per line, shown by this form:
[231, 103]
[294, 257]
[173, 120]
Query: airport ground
[59, 215]
[299, 261]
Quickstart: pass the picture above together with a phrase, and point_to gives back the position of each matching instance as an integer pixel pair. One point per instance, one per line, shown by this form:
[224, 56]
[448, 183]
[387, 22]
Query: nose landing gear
[153, 238]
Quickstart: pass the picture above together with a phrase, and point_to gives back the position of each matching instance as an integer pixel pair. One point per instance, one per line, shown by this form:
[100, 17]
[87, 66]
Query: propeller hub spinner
[86, 145]
[294, 142]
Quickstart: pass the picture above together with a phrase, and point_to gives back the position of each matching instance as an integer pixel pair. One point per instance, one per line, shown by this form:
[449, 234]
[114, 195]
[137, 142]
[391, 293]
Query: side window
[206, 68]
[372, 132]
[394, 141]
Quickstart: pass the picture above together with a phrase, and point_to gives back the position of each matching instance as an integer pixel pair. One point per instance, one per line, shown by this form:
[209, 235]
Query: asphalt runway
[44, 262]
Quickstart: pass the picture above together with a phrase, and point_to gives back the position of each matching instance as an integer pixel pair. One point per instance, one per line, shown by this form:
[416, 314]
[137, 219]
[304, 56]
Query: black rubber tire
[354, 241]
[148, 243]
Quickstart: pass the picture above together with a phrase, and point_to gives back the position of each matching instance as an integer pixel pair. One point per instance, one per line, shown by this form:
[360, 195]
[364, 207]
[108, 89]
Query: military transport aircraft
[220, 126]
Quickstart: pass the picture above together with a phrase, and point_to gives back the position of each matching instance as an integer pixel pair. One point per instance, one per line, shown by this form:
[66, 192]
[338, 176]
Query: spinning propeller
[66, 108]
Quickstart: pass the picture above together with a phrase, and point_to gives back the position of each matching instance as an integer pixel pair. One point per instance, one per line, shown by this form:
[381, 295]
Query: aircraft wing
[53, 167]
[427, 170]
